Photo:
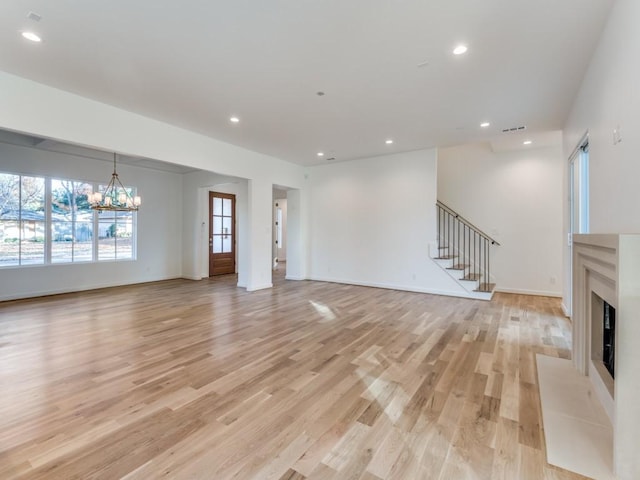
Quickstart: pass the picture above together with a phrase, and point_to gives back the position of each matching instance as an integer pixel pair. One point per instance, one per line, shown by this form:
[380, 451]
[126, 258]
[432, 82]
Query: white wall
[371, 222]
[159, 240]
[515, 197]
[609, 98]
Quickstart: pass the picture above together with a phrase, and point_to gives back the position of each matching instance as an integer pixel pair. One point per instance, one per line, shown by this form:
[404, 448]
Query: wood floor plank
[308, 380]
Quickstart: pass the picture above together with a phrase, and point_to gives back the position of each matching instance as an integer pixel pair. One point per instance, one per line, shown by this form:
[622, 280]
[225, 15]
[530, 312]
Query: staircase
[463, 251]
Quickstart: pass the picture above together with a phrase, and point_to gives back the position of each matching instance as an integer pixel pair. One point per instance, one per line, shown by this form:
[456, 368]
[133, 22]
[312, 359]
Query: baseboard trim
[294, 277]
[191, 277]
[264, 286]
[537, 293]
[390, 286]
[62, 291]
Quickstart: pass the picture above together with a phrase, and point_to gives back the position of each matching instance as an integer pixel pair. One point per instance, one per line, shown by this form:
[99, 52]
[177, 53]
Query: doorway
[222, 233]
[279, 231]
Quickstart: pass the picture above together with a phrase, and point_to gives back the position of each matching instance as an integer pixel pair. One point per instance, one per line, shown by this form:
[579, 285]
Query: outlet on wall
[617, 136]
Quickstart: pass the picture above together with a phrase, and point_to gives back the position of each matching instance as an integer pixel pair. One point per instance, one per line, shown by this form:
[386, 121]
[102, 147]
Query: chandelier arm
[111, 191]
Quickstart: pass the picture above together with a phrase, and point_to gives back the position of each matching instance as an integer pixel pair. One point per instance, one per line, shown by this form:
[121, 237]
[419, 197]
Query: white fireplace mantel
[609, 266]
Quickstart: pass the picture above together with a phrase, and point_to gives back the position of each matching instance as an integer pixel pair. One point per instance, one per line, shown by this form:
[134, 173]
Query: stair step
[485, 287]
[472, 277]
[459, 266]
[446, 257]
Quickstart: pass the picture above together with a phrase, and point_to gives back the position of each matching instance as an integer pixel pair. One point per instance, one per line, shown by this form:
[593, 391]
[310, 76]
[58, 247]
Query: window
[22, 220]
[115, 235]
[579, 189]
[71, 222]
[49, 221]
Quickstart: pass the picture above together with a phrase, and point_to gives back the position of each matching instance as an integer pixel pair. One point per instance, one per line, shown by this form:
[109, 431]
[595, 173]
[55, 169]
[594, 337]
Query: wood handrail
[466, 222]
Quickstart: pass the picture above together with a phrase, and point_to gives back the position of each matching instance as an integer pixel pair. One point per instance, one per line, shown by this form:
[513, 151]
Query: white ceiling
[194, 63]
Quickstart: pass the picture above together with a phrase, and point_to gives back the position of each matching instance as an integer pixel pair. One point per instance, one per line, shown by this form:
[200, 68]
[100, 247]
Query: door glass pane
[217, 206]
[217, 244]
[226, 208]
[226, 226]
[217, 225]
[226, 243]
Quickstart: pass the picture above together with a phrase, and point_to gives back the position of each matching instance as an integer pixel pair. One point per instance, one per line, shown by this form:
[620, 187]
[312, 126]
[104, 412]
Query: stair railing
[460, 239]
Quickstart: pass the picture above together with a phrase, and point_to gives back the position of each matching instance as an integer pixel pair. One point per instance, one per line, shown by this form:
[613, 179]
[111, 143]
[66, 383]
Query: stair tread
[472, 277]
[485, 287]
[459, 266]
[446, 257]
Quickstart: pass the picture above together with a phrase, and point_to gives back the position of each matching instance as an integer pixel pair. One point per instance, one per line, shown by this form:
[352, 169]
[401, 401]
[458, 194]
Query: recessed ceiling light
[31, 36]
[320, 154]
[460, 49]
[234, 119]
[485, 124]
[388, 142]
[527, 142]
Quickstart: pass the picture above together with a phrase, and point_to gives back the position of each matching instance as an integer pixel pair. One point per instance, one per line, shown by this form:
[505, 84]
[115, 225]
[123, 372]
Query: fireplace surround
[606, 276]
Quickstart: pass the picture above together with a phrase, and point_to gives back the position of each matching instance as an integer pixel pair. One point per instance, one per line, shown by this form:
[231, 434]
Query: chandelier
[115, 197]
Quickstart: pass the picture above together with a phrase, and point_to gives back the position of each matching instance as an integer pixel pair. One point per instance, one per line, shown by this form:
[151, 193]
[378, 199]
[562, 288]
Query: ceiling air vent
[513, 129]
[34, 16]
[331, 159]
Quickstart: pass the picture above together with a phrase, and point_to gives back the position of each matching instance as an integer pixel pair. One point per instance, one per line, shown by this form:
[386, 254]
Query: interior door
[222, 233]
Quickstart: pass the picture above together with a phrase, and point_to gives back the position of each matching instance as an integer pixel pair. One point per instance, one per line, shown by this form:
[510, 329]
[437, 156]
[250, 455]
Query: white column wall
[260, 193]
[297, 219]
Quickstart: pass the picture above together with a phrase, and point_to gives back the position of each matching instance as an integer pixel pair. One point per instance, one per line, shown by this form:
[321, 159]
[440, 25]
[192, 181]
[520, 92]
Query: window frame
[49, 223]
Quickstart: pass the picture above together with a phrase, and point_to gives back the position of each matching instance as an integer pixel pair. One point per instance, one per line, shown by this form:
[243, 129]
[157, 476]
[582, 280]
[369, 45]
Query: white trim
[46, 293]
[253, 288]
[602, 393]
[294, 277]
[565, 310]
[191, 277]
[538, 293]
[404, 288]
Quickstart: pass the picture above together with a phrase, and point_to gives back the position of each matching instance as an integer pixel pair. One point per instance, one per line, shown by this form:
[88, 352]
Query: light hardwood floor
[202, 380]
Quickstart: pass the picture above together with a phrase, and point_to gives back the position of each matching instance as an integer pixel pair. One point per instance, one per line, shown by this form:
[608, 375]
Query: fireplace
[606, 334]
[603, 340]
